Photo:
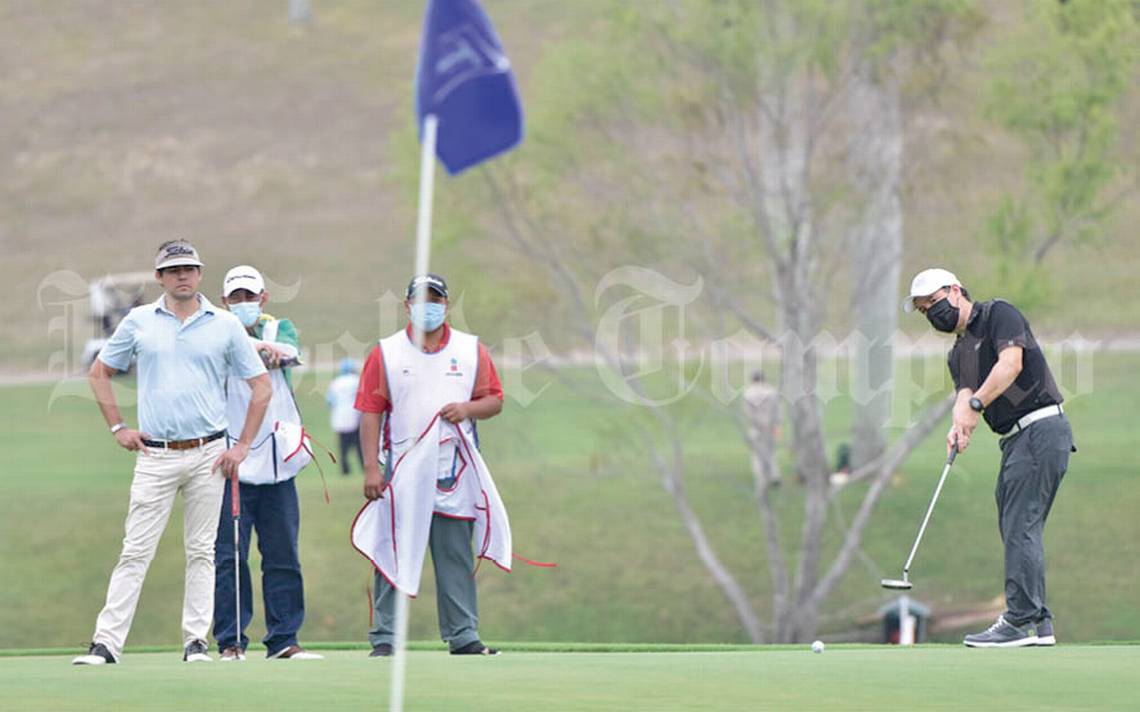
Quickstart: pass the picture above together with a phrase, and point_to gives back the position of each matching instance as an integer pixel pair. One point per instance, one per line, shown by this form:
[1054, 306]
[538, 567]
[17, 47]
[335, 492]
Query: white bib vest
[266, 462]
[419, 384]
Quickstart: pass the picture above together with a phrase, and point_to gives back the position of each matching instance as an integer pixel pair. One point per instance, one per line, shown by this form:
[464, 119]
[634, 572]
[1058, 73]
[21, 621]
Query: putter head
[897, 584]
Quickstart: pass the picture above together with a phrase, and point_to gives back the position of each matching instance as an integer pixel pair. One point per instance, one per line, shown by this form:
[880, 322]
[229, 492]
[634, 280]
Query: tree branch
[888, 463]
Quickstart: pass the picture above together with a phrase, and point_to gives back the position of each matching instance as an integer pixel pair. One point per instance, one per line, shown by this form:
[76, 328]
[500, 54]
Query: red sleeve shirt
[372, 394]
[486, 378]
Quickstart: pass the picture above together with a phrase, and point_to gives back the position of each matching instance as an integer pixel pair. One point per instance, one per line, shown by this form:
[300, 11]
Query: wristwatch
[117, 427]
[976, 405]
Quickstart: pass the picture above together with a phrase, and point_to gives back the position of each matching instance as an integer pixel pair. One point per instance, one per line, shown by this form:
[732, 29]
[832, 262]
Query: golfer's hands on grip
[132, 440]
[229, 460]
[373, 483]
[965, 420]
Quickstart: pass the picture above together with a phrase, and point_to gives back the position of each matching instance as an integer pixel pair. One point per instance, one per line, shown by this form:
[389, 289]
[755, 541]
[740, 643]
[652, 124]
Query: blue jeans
[273, 511]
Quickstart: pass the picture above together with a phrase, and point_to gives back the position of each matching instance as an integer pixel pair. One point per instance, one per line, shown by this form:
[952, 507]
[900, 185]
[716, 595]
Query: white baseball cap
[243, 277]
[927, 282]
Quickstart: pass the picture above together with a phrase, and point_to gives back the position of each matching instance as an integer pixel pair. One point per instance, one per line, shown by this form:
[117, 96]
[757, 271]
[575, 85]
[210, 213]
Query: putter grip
[953, 453]
[235, 497]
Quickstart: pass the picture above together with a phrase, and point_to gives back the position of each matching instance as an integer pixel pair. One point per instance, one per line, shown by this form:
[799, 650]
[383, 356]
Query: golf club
[904, 583]
[235, 510]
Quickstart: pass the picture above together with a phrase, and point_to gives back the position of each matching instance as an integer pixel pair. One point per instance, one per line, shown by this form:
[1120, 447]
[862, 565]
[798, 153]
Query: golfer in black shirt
[1000, 374]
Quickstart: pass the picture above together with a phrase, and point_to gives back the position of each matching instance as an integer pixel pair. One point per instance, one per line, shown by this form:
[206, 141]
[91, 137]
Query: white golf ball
[817, 646]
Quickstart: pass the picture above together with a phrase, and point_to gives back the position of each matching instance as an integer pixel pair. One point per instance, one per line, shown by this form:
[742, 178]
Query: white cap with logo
[243, 277]
[927, 282]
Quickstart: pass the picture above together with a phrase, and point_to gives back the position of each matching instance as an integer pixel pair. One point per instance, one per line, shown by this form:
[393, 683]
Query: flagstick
[399, 656]
[423, 255]
[423, 222]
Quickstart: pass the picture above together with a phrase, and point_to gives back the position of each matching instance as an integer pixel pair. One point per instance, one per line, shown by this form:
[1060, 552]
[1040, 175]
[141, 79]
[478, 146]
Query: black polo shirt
[996, 325]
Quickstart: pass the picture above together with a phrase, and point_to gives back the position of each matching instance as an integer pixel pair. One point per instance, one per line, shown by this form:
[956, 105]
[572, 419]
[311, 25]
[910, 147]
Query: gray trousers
[455, 596]
[1033, 462]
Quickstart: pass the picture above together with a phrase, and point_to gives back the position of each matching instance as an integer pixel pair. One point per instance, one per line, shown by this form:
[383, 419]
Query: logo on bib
[454, 371]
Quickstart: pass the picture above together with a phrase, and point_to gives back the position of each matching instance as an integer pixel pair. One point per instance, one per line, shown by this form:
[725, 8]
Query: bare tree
[875, 158]
[760, 205]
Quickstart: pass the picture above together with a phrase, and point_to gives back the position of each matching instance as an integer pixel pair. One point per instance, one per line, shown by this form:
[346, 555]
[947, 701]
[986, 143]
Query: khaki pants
[159, 476]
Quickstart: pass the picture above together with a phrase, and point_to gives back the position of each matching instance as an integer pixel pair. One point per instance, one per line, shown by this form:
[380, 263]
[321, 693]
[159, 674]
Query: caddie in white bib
[438, 492]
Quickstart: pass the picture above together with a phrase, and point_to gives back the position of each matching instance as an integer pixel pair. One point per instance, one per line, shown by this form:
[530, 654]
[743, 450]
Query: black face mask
[943, 316]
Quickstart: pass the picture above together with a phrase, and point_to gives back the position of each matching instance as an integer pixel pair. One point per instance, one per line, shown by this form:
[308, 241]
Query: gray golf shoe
[1003, 635]
[1044, 628]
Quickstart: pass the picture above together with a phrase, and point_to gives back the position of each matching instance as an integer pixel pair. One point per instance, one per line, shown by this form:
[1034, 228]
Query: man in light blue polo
[185, 348]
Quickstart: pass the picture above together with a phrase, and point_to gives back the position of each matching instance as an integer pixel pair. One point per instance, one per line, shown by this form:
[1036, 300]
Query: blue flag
[464, 78]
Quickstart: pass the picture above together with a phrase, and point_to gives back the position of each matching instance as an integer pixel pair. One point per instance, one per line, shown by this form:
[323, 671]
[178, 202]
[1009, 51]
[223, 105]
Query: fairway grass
[842, 678]
[581, 493]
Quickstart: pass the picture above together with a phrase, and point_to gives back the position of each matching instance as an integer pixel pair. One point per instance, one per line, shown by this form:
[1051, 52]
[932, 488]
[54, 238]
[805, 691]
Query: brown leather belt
[184, 444]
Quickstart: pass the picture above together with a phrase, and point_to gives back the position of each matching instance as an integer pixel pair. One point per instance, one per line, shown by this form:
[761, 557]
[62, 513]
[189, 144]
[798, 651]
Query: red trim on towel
[392, 506]
[300, 445]
[540, 564]
[487, 507]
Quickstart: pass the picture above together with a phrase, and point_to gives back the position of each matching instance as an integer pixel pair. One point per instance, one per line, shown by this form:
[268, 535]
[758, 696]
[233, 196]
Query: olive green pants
[454, 563]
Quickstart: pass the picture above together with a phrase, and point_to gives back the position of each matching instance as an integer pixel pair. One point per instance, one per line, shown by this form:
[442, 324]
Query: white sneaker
[197, 652]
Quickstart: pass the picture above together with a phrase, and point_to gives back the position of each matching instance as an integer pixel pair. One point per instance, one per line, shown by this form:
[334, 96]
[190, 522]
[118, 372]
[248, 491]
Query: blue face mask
[429, 315]
[246, 312]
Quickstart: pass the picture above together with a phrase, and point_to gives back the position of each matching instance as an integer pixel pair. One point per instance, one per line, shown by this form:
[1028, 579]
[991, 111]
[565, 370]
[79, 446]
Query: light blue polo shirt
[182, 366]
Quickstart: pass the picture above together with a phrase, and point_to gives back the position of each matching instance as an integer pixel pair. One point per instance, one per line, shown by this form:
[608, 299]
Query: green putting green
[842, 678]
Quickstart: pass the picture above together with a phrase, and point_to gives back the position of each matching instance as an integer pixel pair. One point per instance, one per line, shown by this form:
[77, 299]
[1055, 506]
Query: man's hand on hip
[229, 460]
[373, 483]
[132, 440]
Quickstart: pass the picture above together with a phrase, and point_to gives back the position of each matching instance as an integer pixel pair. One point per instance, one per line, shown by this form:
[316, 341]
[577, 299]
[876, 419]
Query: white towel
[392, 532]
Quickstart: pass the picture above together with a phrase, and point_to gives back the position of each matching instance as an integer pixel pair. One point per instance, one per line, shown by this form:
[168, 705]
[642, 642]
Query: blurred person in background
[343, 416]
[762, 416]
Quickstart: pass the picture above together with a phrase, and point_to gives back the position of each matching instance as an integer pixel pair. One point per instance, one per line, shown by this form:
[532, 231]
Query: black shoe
[1045, 632]
[1003, 634]
[381, 650]
[197, 651]
[97, 654]
[475, 647]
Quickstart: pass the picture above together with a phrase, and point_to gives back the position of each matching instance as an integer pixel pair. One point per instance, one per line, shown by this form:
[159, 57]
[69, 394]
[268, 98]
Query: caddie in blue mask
[268, 495]
[426, 484]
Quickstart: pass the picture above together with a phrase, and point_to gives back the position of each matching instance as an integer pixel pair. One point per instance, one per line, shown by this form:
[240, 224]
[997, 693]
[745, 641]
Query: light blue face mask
[428, 316]
[246, 312]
